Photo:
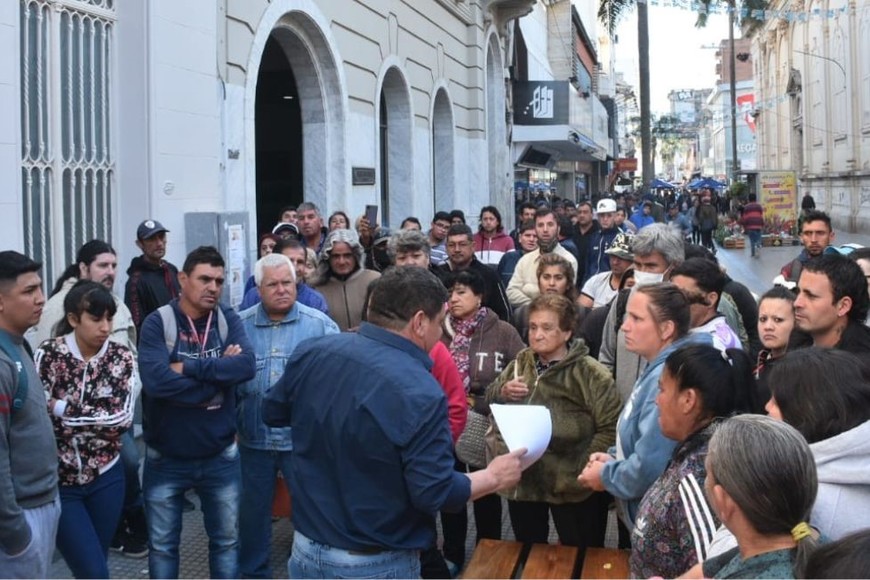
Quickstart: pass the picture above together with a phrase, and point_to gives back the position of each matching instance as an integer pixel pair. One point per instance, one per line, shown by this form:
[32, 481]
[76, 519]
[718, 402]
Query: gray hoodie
[28, 454]
[843, 464]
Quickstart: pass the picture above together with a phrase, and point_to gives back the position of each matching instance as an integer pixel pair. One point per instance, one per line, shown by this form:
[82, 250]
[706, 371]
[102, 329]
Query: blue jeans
[88, 519]
[259, 469]
[314, 560]
[217, 482]
[754, 239]
[130, 459]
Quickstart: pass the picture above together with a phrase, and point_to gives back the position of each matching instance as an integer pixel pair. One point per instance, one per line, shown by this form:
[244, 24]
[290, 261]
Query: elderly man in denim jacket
[275, 327]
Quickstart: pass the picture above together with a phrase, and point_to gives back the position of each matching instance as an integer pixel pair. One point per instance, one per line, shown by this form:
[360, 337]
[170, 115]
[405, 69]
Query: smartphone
[372, 214]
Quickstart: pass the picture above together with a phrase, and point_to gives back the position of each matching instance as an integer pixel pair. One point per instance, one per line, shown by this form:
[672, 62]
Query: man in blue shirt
[372, 452]
[275, 327]
[190, 362]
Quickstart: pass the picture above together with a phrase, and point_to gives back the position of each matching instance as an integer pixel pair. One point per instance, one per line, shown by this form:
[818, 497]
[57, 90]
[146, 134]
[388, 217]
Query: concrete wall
[11, 222]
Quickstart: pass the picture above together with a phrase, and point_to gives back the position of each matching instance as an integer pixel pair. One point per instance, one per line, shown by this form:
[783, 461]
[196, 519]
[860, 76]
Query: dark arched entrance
[278, 129]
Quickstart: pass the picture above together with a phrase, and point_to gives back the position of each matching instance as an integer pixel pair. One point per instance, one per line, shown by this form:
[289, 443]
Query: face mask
[647, 278]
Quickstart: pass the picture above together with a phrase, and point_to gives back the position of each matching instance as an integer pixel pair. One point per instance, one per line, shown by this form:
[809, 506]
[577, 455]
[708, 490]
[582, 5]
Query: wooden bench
[605, 563]
[503, 559]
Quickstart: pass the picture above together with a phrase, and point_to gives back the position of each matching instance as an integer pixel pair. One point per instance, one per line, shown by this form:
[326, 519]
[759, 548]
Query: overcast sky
[677, 60]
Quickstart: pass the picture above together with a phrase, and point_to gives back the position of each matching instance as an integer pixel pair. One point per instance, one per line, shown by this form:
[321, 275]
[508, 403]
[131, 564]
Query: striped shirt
[674, 524]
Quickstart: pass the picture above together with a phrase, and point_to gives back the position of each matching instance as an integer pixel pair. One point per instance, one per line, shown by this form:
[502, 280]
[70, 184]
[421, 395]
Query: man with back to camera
[29, 501]
[275, 327]
[152, 281]
[191, 359]
[816, 235]
[371, 436]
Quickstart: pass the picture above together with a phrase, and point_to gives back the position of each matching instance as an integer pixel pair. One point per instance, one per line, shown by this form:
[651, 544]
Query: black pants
[707, 239]
[581, 524]
[454, 525]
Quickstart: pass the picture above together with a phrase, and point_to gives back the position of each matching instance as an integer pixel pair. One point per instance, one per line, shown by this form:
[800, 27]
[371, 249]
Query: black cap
[149, 228]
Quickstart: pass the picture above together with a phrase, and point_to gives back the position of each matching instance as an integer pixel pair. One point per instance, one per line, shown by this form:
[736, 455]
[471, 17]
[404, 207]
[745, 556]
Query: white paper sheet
[528, 426]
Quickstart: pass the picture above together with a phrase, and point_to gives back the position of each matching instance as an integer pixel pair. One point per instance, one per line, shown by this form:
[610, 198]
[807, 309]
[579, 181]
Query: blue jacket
[640, 220]
[192, 415]
[273, 343]
[642, 451]
[372, 452]
[596, 260]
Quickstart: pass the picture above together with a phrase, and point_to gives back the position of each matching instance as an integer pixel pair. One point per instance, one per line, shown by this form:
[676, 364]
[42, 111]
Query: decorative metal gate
[67, 160]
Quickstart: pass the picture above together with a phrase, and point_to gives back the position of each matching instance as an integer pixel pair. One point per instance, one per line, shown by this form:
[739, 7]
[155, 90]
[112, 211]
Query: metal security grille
[67, 162]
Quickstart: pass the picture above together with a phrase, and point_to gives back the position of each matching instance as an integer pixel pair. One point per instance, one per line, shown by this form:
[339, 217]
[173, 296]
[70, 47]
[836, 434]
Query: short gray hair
[307, 206]
[272, 261]
[404, 241]
[768, 469]
[662, 239]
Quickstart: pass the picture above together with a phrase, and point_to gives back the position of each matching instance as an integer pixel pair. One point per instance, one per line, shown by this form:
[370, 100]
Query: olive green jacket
[584, 406]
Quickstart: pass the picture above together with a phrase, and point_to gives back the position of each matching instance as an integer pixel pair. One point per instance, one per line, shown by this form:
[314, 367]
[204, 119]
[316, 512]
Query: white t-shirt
[598, 289]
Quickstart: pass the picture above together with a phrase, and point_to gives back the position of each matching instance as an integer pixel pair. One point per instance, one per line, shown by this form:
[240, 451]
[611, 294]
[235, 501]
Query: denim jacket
[274, 342]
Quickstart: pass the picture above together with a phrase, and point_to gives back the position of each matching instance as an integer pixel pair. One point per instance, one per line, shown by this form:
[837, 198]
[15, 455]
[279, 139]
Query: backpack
[170, 325]
[8, 347]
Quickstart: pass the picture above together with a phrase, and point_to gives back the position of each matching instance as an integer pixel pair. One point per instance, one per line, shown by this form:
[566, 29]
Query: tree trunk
[647, 167]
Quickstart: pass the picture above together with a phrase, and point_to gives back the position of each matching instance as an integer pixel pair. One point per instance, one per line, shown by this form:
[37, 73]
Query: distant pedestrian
[753, 222]
[807, 203]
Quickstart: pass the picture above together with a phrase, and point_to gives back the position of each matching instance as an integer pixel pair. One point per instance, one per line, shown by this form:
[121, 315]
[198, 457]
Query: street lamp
[839, 66]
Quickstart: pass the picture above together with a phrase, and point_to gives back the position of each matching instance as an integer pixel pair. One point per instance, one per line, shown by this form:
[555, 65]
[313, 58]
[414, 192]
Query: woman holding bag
[481, 346]
[557, 372]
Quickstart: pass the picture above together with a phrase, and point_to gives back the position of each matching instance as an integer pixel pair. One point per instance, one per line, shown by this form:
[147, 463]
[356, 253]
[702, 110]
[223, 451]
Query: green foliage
[738, 190]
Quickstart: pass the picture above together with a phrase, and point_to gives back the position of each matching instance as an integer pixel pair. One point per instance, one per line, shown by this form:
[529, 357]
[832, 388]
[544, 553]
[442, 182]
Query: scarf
[459, 346]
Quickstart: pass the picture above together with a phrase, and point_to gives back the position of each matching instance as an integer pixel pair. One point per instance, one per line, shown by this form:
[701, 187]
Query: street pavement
[756, 273]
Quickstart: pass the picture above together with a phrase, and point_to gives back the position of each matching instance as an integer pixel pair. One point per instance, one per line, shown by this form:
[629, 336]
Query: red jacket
[753, 216]
[444, 371]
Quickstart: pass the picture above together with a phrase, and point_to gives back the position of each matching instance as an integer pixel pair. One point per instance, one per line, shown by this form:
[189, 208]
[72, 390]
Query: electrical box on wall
[227, 231]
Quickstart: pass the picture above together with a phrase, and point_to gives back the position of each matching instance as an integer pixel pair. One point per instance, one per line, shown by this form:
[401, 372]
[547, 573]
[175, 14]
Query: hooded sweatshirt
[843, 500]
[490, 250]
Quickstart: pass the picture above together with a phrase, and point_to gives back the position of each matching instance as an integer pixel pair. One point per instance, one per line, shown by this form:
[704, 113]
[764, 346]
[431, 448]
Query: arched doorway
[312, 161]
[395, 148]
[278, 128]
[443, 177]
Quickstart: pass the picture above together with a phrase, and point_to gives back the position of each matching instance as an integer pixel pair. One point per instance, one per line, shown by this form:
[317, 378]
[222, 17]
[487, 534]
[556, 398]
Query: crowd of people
[360, 369]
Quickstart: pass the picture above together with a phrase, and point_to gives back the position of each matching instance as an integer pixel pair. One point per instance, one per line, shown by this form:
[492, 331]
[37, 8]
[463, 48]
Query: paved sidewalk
[194, 547]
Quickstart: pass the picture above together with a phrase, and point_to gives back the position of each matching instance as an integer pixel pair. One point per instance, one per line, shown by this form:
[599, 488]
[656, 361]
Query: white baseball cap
[606, 205]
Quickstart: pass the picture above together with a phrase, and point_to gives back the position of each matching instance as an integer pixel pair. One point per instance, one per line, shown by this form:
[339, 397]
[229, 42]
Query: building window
[67, 158]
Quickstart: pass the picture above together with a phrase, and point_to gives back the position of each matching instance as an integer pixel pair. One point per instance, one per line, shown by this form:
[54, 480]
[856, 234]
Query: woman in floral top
[87, 381]
[674, 524]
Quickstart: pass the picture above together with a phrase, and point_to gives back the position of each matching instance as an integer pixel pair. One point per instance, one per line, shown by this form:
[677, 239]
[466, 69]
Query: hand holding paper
[528, 426]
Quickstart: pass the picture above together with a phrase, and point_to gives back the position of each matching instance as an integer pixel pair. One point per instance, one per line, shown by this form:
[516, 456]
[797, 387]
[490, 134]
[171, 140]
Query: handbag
[471, 445]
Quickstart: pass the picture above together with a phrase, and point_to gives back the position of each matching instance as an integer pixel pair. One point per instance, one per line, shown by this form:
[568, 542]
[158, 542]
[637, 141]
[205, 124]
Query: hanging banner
[778, 195]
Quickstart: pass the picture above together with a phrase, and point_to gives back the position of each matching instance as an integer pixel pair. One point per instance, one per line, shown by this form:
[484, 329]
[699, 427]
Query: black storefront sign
[541, 102]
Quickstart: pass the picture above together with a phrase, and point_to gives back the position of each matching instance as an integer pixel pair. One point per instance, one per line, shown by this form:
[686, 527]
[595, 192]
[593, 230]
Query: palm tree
[610, 12]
